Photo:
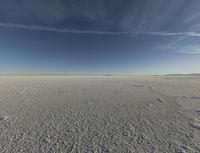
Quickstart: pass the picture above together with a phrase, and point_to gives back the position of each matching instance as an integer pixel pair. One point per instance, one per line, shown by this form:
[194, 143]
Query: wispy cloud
[190, 50]
[52, 29]
[160, 33]
[60, 30]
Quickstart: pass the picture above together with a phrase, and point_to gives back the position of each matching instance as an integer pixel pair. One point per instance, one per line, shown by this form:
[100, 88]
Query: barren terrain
[99, 114]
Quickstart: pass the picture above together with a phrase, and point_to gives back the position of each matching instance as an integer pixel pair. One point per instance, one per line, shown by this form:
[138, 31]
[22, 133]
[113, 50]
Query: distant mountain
[192, 74]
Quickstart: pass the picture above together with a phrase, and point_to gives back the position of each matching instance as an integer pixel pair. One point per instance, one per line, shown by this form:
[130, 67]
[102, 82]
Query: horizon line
[93, 74]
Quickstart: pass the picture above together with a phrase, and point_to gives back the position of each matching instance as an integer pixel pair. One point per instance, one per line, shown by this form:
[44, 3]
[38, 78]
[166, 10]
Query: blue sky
[100, 36]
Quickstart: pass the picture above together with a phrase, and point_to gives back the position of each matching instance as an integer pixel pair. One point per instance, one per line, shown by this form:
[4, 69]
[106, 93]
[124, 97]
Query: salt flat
[99, 114]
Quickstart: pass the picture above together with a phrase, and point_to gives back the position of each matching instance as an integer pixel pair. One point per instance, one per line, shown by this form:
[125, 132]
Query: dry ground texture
[91, 114]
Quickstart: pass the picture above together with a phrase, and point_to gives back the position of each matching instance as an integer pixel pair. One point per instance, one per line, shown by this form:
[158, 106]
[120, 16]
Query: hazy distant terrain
[192, 74]
[99, 114]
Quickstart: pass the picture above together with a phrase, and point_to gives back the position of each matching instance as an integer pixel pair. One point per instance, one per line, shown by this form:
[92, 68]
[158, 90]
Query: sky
[99, 36]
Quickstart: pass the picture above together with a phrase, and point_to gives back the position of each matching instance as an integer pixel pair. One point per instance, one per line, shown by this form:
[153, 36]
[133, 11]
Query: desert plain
[99, 114]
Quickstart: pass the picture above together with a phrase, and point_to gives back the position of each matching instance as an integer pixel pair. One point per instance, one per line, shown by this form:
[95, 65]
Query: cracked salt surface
[99, 114]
